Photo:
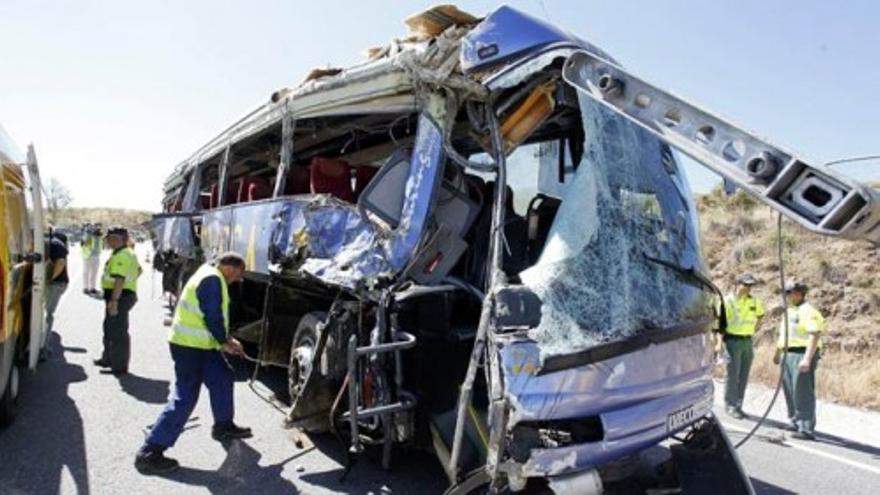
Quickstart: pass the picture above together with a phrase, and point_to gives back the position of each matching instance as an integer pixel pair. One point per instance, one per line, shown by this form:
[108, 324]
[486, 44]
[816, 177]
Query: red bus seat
[254, 189]
[363, 174]
[298, 180]
[331, 176]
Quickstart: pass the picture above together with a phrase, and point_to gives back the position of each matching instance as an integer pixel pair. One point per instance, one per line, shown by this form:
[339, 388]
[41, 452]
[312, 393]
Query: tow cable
[253, 379]
[785, 338]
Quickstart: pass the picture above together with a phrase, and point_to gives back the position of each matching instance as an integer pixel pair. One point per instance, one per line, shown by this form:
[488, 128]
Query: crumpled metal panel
[597, 388]
[632, 394]
[329, 240]
[426, 167]
[173, 234]
[506, 34]
[644, 425]
[344, 249]
[332, 241]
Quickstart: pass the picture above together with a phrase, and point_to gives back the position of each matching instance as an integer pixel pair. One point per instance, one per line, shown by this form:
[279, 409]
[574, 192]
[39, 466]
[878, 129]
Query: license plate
[675, 421]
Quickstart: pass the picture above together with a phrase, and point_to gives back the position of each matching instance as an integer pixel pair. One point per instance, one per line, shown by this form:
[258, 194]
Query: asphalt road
[78, 430]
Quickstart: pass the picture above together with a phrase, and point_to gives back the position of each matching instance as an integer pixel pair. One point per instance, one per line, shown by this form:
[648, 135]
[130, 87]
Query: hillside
[740, 235]
[75, 217]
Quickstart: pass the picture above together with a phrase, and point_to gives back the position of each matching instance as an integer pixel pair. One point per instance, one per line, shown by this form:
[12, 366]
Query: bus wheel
[9, 399]
[311, 394]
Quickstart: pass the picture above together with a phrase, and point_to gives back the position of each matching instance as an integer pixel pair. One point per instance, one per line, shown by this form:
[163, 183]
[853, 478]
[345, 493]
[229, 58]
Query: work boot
[734, 412]
[154, 462]
[803, 435]
[230, 432]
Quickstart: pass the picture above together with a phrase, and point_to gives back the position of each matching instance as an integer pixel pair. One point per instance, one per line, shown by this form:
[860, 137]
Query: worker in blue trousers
[199, 334]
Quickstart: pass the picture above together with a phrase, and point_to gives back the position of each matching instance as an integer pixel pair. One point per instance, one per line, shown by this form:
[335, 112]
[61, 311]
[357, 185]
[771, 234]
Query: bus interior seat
[254, 189]
[331, 176]
[205, 200]
[232, 192]
[298, 180]
[541, 213]
[363, 174]
[215, 196]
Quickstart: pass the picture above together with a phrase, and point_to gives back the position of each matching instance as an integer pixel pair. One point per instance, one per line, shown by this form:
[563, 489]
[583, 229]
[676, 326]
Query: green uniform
[742, 319]
[117, 344]
[800, 387]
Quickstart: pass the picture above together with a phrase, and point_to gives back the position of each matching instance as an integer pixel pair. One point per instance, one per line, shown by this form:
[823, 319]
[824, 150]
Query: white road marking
[810, 450]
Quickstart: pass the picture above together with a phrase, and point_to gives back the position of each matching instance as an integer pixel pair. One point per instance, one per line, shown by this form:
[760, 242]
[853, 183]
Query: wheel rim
[301, 366]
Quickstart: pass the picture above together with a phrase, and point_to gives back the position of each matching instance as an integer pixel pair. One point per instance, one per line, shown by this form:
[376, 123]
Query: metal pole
[287, 128]
[353, 394]
[495, 276]
[224, 175]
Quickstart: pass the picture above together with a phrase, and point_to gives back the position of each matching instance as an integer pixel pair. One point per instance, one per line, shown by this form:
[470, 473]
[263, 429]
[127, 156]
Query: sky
[115, 93]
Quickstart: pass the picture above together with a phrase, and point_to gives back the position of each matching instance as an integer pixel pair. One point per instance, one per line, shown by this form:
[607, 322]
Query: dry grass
[740, 236]
[843, 377]
[75, 217]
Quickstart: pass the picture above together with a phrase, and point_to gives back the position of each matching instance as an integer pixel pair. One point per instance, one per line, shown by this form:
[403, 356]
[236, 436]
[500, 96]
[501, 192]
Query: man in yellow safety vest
[119, 282]
[744, 313]
[799, 340]
[199, 333]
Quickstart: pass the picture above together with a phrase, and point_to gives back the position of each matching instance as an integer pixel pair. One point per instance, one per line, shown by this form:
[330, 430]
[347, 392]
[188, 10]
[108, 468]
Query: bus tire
[311, 394]
[9, 400]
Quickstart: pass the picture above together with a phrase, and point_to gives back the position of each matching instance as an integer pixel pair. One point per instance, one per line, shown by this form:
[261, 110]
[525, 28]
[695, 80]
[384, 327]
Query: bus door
[38, 303]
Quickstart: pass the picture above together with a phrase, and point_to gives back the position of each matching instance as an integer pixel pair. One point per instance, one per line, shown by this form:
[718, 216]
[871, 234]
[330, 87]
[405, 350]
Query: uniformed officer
[199, 333]
[805, 326]
[119, 281]
[744, 313]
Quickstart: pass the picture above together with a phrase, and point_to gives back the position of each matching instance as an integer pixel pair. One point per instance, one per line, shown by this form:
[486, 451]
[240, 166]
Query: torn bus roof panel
[507, 34]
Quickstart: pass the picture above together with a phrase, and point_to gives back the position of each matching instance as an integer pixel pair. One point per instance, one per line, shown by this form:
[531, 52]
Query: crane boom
[822, 200]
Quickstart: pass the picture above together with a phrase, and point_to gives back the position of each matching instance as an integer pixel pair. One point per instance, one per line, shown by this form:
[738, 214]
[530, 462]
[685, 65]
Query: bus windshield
[624, 203]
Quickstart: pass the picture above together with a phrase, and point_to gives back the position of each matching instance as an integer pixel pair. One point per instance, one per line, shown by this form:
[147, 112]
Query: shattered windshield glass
[627, 202]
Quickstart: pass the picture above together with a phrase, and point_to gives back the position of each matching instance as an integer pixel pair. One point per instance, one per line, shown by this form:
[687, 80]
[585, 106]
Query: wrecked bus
[480, 242]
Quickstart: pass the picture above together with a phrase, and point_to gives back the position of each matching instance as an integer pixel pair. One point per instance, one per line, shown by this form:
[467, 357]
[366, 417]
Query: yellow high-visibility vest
[743, 314]
[91, 246]
[803, 320]
[122, 263]
[189, 328]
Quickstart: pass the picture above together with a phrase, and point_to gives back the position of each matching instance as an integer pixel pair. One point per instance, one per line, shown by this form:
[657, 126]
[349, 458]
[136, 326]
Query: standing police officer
[744, 312]
[805, 326]
[199, 333]
[119, 282]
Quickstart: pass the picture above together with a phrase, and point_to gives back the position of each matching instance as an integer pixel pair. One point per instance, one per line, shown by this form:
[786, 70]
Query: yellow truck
[22, 270]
